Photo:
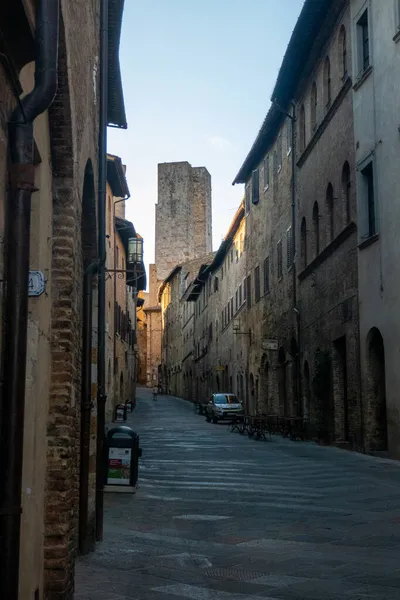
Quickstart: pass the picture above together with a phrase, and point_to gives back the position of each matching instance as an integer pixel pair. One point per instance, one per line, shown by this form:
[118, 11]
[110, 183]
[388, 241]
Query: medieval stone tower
[183, 215]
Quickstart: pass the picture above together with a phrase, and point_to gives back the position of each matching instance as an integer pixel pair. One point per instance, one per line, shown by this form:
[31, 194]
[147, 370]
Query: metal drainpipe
[101, 358]
[294, 237]
[85, 543]
[12, 398]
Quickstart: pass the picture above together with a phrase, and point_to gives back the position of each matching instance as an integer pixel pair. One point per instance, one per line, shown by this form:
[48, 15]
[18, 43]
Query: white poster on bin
[119, 466]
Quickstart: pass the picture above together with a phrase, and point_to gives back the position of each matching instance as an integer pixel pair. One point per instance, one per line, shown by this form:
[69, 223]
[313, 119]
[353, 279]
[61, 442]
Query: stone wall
[74, 142]
[183, 215]
[327, 244]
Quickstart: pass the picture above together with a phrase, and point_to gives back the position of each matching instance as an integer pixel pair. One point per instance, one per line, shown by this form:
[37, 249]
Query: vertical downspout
[85, 543]
[294, 237]
[15, 319]
[101, 359]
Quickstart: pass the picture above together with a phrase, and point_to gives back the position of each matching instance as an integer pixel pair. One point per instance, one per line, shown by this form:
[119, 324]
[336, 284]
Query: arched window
[343, 51]
[330, 213]
[314, 104]
[303, 242]
[327, 82]
[346, 187]
[315, 218]
[302, 128]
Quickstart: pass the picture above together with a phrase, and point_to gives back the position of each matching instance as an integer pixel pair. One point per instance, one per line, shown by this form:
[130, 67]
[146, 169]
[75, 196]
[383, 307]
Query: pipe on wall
[101, 358]
[17, 243]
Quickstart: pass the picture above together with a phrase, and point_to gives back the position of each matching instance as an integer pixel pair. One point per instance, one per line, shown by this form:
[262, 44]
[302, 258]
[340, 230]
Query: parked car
[223, 406]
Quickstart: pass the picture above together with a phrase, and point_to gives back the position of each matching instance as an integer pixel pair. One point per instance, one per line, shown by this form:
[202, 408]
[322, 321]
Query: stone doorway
[341, 407]
[281, 372]
[376, 393]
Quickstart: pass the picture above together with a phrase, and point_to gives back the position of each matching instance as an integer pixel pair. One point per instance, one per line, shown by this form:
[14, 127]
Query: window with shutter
[279, 259]
[247, 199]
[255, 187]
[266, 275]
[244, 290]
[236, 300]
[231, 307]
[248, 286]
[266, 172]
[257, 291]
[289, 247]
[240, 295]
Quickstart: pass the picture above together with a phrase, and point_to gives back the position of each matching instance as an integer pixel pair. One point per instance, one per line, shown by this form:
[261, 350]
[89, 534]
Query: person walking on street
[155, 392]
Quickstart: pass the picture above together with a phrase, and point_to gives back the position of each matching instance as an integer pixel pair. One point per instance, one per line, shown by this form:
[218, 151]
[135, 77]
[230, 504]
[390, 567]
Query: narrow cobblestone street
[220, 517]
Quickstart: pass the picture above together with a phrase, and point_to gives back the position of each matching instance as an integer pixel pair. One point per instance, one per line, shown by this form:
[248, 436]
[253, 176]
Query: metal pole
[101, 358]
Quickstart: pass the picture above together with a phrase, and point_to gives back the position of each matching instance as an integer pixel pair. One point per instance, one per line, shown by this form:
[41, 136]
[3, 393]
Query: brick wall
[74, 134]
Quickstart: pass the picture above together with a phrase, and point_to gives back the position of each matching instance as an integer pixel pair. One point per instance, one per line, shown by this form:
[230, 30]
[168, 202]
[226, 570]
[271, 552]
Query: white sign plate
[37, 283]
[270, 344]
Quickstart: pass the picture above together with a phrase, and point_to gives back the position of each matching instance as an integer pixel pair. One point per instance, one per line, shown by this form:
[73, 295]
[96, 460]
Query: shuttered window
[257, 291]
[266, 275]
[279, 259]
[248, 286]
[255, 186]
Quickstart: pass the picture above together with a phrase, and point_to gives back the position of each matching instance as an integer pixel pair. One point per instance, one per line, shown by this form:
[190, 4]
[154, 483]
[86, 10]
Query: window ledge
[396, 38]
[328, 250]
[305, 153]
[266, 188]
[289, 152]
[370, 240]
[362, 77]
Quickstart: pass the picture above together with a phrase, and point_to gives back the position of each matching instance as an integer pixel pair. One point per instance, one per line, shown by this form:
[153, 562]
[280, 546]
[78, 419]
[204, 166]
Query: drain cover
[232, 574]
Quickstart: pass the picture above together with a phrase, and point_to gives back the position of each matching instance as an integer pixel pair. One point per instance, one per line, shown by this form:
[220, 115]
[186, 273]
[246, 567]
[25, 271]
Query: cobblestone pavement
[220, 517]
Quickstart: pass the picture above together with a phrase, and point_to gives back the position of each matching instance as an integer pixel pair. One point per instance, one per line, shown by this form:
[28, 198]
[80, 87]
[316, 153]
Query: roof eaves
[116, 177]
[290, 73]
[116, 115]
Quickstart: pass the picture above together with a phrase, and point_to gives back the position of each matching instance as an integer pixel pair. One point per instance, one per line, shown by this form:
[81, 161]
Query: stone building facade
[327, 235]
[183, 215]
[58, 512]
[141, 338]
[302, 178]
[121, 290]
[183, 233]
[220, 333]
[375, 76]
[178, 328]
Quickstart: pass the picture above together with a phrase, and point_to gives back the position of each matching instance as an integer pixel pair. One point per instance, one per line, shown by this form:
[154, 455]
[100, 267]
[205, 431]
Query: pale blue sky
[197, 77]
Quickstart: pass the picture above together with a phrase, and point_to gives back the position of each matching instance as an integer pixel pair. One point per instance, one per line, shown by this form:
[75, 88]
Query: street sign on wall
[270, 344]
[37, 283]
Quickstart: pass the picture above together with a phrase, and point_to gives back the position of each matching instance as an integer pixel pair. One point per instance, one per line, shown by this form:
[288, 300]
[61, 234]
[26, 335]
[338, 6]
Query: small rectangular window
[289, 247]
[223, 319]
[266, 172]
[236, 300]
[369, 198]
[266, 275]
[279, 259]
[228, 312]
[255, 186]
[363, 42]
[248, 291]
[240, 295]
[232, 307]
[257, 291]
[247, 199]
[244, 289]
